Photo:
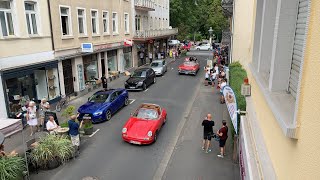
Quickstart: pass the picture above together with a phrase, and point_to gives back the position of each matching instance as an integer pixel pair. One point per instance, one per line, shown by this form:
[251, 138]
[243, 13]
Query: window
[126, 23]
[82, 21]
[114, 22]
[94, 22]
[105, 21]
[137, 19]
[6, 21]
[65, 21]
[31, 17]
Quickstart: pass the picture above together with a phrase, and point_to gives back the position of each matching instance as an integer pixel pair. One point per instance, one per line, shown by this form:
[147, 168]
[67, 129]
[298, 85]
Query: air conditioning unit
[246, 90]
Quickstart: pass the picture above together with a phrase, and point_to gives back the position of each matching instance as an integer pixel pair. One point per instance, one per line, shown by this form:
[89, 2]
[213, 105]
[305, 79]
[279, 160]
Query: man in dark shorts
[207, 132]
[223, 135]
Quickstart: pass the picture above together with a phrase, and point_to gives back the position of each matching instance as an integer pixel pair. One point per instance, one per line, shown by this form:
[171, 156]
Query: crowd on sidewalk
[216, 74]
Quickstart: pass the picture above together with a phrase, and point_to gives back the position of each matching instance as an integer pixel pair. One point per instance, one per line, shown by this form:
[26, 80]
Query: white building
[151, 29]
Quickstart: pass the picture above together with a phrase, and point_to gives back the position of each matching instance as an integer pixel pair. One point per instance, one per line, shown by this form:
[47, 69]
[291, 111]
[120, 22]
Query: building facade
[89, 40]
[278, 47]
[151, 30]
[27, 64]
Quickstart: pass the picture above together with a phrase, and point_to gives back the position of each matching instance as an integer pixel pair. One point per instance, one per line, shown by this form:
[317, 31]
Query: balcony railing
[146, 5]
[143, 34]
[227, 6]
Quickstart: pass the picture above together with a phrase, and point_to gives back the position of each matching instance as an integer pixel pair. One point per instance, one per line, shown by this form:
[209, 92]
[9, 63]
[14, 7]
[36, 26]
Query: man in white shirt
[51, 125]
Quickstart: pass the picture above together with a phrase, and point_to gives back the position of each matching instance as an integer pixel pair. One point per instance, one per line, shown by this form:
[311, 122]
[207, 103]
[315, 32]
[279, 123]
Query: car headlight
[140, 83]
[124, 130]
[97, 113]
[149, 133]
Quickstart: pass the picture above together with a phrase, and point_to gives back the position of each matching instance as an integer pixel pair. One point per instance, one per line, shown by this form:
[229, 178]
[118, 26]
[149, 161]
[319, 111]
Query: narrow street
[106, 156]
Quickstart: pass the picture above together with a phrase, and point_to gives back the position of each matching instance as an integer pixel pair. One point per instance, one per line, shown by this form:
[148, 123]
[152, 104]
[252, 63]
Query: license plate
[132, 87]
[187, 72]
[135, 142]
[86, 117]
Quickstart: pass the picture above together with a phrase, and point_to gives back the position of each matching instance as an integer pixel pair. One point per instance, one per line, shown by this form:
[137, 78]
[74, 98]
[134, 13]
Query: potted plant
[69, 111]
[87, 126]
[12, 167]
[51, 151]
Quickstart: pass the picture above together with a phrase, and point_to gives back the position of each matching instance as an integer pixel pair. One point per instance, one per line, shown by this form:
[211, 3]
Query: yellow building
[277, 42]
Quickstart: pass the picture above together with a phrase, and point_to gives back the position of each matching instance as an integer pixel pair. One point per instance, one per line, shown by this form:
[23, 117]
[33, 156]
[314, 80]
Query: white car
[173, 42]
[205, 47]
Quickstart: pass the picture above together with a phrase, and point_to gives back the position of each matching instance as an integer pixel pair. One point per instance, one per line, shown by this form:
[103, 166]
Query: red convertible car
[144, 124]
[189, 67]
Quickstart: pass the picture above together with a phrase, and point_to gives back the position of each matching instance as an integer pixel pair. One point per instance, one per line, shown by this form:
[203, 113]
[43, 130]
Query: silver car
[159, 67]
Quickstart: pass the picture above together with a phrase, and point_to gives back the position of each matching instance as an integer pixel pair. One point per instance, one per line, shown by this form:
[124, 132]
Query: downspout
[50, 22]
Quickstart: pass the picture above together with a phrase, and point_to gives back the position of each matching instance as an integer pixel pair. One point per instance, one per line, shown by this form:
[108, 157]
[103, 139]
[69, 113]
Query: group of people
[221, 135]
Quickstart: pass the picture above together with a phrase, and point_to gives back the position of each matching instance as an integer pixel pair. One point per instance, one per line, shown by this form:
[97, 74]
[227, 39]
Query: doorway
[68, 77]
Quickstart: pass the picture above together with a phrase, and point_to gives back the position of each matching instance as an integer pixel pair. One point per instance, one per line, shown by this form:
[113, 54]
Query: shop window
[6, 20]
[112, 60]
[127, 54]
[65, 20]
[90, 65]
[31, 17]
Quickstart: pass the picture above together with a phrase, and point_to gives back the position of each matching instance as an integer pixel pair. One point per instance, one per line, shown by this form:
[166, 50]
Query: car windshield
[99, 98]
[156, 64]
[189, 63]
[149, 114]
[139, 74]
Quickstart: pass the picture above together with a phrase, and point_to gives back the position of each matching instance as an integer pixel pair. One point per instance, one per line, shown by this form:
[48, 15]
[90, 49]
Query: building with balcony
[28, 68]
[151, 30]
[88, 39]
[278, 47]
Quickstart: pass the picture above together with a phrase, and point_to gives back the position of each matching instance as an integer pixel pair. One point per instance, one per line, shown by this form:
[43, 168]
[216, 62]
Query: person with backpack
[223, 136]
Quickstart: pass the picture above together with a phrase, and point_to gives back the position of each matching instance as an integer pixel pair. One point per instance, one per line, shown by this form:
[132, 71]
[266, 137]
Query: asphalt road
[105, 156]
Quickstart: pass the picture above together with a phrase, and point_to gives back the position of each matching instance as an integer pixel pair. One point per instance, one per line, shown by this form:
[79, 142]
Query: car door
[149, 77]
[115, 103]
[161, 119]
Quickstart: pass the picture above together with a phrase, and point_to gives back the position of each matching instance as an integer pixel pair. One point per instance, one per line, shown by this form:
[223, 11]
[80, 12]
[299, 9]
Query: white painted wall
[75, 62]
[61, 78]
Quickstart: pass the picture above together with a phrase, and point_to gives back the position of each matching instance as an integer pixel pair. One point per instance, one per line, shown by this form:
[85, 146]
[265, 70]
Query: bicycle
[64, 101]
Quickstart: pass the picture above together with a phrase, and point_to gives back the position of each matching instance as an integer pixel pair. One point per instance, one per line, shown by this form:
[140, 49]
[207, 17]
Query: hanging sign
[127, 42]
[230, 99]
[86, 47]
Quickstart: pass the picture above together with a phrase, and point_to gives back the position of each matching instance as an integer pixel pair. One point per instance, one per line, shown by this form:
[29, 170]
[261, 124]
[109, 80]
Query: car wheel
[144, 86]
[126, 101]
[154, 80]
[198, 49]
[108, 115]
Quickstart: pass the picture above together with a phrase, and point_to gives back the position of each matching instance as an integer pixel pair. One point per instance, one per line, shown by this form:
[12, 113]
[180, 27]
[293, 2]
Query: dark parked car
[141, 79]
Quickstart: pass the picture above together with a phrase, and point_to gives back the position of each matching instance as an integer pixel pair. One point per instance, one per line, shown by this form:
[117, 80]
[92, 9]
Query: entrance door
[68, 77]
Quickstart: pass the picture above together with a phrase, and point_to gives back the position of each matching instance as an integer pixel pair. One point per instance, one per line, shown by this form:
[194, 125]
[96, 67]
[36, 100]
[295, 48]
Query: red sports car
[144, 124]
[189, 67]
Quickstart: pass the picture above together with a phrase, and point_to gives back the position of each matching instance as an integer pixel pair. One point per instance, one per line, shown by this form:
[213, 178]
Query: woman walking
[32, 116]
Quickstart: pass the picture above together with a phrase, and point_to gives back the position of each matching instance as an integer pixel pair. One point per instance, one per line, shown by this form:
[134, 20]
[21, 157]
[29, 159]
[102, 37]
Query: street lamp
[210, 33]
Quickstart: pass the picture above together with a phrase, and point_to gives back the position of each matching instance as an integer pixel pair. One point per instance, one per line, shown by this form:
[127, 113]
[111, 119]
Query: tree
[193, 16]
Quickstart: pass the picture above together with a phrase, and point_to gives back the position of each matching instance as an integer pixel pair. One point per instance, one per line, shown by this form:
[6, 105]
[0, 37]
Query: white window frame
[126, 22]
[36, 13]
[97, 21]
[11, 10]
[116, 32]
[69, 19]
[84, 16]
[108, 22]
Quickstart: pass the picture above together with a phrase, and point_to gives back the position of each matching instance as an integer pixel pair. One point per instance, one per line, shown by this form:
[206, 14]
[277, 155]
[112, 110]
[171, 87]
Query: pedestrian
[207, 133]
[104, 82]
[174, 54]
[223, 84]
[223, 136]
[32, 116]
[207, 75]
[74, 132]
[150, 57]
[52, 125]
[141, 57]
[44, 107]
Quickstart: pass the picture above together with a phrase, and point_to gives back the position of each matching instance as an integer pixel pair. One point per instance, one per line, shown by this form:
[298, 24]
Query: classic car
[189, 67]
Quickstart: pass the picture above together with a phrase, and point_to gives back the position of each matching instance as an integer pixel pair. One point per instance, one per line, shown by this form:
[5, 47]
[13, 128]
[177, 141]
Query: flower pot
[88, 131]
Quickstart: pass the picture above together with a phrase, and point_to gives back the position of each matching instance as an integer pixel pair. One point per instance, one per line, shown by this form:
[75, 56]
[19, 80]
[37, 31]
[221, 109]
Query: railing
[144, 4]
[155, 33]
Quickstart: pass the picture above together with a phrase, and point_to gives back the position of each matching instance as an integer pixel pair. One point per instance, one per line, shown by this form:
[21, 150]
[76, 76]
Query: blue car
[102, 104]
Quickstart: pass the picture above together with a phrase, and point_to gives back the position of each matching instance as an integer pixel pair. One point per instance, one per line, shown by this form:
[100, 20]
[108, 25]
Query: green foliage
[11, 168]
[69, 111]
[64, 125]
[237, 75]
[87, 124]
[196, 17]
[184, 53]
[52, 148]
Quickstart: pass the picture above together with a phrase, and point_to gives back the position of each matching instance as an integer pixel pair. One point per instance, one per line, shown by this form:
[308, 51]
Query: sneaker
[220, 156]
[202, 148]
[209, 150]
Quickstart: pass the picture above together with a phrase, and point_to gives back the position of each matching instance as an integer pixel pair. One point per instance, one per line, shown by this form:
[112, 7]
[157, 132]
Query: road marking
[94, 133]
[131, 101]
[146, 90]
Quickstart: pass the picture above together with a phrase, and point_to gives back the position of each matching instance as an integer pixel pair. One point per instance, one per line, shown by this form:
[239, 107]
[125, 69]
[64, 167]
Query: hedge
[236, 76]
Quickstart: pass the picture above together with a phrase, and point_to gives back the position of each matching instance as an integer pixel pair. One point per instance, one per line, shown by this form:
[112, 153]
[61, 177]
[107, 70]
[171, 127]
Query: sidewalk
[189, 162]
[15, 141]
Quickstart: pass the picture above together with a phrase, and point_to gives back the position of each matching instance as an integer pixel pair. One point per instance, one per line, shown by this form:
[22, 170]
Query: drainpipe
[50, 22]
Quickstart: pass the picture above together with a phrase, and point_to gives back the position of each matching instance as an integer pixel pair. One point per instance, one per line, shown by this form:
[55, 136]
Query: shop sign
[127, 42]
[86, 47]
[230, 99]
[107, 46]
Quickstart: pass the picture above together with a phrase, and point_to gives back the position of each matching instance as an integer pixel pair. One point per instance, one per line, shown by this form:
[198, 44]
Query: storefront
[127, 55]
[112, 60]
[90, 66]
[31, 83]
